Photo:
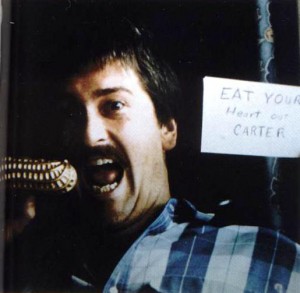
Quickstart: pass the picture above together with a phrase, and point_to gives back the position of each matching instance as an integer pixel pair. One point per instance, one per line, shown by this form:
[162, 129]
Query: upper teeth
[101, 162]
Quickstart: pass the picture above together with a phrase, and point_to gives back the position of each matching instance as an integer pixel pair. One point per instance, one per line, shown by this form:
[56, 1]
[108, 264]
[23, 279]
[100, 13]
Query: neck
[93, 222]
[103, 249]
[132, 230]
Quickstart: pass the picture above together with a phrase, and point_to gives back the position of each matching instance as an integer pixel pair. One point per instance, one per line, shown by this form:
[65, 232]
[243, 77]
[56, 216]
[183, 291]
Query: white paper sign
[250, 118]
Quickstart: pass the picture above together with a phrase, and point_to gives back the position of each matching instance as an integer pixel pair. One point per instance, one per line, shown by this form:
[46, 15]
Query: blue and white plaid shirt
[181, 252]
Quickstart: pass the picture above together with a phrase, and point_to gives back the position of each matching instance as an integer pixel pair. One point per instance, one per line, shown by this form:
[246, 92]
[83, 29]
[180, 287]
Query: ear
[169, 135]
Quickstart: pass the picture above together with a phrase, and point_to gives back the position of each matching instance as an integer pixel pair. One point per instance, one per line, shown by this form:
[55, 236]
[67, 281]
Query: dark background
[198, 38]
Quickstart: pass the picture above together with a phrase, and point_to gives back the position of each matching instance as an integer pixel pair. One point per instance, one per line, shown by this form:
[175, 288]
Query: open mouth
[104, 174]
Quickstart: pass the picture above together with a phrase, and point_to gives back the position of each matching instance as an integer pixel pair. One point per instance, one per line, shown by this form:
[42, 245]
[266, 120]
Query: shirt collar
[178, 211]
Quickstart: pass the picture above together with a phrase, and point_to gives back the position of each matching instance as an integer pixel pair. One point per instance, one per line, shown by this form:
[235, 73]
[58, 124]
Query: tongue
[103, 176]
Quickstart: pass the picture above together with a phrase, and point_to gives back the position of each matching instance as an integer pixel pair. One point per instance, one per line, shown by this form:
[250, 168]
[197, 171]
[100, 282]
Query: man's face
[124, 169]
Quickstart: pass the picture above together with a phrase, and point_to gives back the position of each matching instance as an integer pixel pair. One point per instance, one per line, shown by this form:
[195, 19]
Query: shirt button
[279, 288]
[113, 290]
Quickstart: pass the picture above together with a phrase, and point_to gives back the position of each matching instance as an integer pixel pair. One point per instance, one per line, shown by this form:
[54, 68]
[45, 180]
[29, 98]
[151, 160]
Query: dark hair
[93, 45]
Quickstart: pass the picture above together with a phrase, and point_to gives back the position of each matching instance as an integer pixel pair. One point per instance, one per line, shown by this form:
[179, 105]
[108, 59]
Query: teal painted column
[268, 74]
[265, 42]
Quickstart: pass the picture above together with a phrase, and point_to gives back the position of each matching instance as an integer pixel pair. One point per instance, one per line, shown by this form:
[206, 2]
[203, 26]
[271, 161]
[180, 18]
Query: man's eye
[114, 106]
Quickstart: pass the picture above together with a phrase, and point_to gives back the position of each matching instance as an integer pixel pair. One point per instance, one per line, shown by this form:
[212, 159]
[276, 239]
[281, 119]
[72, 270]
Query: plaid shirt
[181, 252]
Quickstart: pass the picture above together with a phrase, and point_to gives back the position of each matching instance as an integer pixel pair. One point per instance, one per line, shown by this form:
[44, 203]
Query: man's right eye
[74, 114]
[71, 109]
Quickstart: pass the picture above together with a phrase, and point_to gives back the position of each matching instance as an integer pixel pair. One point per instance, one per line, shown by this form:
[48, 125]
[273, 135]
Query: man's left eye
[116, 106]
[113, 107]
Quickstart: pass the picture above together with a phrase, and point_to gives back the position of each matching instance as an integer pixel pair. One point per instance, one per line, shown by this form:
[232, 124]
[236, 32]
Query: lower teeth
[106, 188]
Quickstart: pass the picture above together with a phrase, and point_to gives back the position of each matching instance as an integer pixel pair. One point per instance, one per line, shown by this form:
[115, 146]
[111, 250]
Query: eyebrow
[106, 91]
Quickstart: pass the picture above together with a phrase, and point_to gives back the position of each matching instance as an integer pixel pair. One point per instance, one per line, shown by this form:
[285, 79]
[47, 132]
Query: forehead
[112, 75]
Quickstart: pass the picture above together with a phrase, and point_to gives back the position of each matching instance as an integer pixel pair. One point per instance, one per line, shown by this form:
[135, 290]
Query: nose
[95, 132]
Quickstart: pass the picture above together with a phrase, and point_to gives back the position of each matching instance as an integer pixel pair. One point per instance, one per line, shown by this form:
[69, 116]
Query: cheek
[141, 139]
[146, 123]
[142, 133]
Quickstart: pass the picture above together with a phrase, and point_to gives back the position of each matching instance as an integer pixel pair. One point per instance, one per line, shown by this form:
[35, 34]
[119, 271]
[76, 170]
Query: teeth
[105, 188]
[101, 162]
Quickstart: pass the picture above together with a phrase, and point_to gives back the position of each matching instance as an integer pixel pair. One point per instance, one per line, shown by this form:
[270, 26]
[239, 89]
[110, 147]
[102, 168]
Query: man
[126, 234]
